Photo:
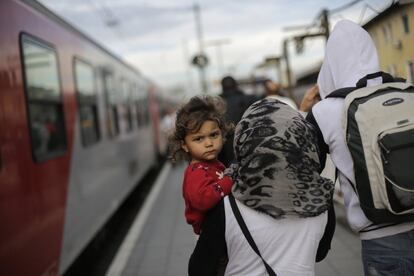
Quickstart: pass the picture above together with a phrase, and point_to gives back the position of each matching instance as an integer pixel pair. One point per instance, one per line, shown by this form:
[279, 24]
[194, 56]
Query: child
[199, 130]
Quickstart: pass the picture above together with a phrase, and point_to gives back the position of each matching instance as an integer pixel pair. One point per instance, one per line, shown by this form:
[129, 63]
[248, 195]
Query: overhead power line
[344, 7]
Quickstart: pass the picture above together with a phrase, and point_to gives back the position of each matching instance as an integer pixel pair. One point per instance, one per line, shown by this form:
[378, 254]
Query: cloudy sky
[159, 36]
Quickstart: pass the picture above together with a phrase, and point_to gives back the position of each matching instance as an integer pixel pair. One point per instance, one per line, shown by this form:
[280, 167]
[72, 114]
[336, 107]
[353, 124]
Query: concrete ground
[165, 241]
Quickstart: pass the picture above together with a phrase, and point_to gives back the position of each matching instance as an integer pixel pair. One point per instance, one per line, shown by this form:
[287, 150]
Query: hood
[350, 55]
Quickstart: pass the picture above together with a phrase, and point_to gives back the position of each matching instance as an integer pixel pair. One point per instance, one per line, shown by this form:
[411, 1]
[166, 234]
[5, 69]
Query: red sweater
[204, 186]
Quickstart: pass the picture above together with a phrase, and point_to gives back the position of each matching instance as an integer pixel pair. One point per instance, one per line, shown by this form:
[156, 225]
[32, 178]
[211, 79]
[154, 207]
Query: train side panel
[101, 177]
[51, 207]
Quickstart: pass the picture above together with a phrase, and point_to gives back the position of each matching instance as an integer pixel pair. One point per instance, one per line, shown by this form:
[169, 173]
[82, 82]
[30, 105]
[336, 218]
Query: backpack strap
[247, 234]
[385, 78]
[342, 92]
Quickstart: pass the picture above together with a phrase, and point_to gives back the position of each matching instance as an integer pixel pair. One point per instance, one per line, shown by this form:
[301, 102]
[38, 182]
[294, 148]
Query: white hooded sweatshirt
[350, 55]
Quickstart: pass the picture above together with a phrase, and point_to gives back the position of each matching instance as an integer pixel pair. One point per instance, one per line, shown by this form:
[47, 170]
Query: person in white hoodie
[387, 249]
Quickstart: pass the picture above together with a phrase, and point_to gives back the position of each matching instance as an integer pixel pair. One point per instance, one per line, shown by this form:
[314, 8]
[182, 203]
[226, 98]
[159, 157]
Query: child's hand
[220, 175]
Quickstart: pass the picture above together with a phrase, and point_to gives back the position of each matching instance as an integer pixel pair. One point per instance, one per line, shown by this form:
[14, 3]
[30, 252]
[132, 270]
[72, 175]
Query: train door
[35, 163]
[2, 124]
[49, 162]
[4, 85]
[9, 163]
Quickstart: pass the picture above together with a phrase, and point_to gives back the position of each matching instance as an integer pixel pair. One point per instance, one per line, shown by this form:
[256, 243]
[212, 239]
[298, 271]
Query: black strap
[341, 93]
[247, 234]
[370, 228]
[385, 78]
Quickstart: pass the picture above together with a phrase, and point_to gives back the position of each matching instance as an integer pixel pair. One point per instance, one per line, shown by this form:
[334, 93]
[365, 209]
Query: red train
[78, 130]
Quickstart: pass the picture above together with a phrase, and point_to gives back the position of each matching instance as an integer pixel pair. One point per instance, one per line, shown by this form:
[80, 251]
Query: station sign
[200, 61]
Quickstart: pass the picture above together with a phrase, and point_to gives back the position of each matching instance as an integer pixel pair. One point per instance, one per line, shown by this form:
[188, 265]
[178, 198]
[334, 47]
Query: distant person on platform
[237, 102]
[273, 90]
[167, 127]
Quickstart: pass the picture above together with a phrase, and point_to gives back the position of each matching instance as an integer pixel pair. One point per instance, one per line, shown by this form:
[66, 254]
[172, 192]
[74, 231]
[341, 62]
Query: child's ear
[184, 146]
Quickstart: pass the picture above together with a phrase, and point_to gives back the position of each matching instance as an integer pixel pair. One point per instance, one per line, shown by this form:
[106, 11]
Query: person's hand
[310, 98]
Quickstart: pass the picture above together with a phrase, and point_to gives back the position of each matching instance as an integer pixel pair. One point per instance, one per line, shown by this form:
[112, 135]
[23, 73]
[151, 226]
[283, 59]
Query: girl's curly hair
[190, 118]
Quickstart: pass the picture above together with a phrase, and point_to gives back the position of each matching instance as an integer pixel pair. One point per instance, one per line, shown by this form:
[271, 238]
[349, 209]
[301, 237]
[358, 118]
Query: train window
[132, 109]
[44, 97]
[128, 116]
[112, 120]
[126, 108]
[144, 112]
[140, 113]
[87, 102]
[147, 113]
[137, 113]
[115, 114]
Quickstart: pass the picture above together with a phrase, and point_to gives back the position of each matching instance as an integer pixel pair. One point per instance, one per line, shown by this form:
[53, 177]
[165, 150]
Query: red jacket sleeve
[204, 191]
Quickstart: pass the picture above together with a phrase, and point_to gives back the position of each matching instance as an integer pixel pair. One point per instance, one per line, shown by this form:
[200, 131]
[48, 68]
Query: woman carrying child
[280, 195]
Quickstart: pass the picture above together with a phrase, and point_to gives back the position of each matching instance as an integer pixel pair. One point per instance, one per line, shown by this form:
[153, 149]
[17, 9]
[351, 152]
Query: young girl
[198, 138]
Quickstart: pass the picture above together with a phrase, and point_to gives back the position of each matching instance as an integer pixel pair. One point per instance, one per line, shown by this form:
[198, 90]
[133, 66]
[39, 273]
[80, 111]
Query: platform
[160, 242]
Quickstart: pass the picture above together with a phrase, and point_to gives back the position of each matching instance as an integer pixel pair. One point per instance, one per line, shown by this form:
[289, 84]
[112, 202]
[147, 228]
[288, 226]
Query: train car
[76, 136]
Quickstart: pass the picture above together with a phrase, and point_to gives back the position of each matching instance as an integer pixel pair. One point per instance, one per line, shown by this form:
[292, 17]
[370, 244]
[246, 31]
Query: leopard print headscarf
[277, 163]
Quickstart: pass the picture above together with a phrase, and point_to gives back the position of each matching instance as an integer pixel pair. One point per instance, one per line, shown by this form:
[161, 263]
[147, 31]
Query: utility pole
[299, 41]
[200, 60]
[288, 72]
[187, 65]
[199, 29]
[325, 23]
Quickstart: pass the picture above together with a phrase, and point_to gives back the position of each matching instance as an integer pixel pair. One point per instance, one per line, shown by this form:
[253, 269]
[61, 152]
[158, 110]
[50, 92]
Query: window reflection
[41, 72]
[47, 131]
[44, 96]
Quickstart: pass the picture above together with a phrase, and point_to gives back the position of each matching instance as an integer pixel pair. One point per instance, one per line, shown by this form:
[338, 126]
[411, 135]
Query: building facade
[393, 34]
